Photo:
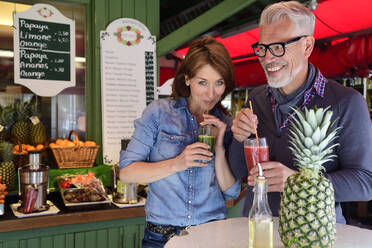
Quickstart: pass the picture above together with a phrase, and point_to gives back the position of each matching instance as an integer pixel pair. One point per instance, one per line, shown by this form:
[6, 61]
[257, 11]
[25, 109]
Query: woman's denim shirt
[189, 197]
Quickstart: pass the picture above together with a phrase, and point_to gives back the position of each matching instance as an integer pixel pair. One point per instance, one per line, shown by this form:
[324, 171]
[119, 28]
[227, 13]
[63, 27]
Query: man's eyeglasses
[277, 48]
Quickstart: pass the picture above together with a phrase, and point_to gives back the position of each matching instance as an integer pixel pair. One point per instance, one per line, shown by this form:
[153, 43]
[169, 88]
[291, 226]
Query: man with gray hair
[285, 43]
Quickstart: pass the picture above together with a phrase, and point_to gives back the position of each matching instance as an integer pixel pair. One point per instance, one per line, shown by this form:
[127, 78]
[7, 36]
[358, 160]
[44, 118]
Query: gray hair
[302, 17]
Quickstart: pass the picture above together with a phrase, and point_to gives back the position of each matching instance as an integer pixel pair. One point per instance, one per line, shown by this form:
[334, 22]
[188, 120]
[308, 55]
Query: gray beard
[286, 80]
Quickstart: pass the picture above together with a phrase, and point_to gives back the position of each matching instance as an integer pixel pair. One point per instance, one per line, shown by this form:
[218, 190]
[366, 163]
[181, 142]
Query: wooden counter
[105, 227]
[17, 224]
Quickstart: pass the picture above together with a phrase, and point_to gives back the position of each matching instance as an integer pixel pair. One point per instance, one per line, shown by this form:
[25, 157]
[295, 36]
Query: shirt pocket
[170, 145]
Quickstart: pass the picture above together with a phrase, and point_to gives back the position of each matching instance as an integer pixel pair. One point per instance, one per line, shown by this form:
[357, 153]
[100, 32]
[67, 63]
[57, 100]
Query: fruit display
[6, 116]
[307, 215]
[20, 130]
[7, 167]
[37, 130]
[81, 188]
[3, 192]
[69, 143]
[74, 153]
[24, 149]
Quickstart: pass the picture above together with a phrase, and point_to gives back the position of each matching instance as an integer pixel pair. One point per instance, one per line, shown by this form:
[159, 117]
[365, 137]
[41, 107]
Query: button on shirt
[189, 197]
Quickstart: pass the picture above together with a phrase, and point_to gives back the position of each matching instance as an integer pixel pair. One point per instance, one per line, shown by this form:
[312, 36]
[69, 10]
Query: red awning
[335, 19]
[348, 58]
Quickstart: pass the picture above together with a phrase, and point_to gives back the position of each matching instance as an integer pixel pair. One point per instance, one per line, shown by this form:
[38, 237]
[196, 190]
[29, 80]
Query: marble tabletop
[233, 233]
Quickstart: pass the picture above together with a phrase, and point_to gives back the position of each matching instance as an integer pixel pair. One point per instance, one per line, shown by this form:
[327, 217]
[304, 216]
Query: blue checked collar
[317, 88]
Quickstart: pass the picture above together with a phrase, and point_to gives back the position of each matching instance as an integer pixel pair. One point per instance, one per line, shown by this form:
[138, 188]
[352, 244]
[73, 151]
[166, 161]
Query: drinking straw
[254, 125]
[207, 111]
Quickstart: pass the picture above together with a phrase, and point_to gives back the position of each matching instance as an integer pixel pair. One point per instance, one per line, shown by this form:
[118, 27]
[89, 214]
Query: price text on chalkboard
[44, 50]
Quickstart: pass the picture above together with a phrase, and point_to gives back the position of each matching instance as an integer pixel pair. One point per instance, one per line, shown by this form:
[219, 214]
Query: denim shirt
[189, 197]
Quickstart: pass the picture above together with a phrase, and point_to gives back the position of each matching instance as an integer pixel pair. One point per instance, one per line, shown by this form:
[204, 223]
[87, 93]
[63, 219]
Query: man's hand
[243, 124]
[276, 174]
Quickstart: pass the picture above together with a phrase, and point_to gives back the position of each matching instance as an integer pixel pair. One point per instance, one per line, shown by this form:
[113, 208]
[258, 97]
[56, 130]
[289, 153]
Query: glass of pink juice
[254, 152]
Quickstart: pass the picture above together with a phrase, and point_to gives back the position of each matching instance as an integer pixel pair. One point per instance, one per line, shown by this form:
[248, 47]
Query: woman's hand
[189, 157]
[221, 128]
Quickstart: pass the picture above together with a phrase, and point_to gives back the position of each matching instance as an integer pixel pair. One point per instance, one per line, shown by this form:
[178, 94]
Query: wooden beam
[200, 24]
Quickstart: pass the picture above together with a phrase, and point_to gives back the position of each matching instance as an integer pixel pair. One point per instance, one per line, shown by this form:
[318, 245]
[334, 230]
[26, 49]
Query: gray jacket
[350, 173]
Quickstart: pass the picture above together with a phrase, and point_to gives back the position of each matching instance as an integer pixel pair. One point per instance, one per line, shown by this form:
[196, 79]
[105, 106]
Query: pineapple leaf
[328, 139]
[311, 118]
[297, 124]
[307, 129]
[315, 149]
[316, 136]
[299, 114]
[297, 136]
[319, 116]
[308, 142]
[327, 119]
[298, 132]
[6, 151]
[6, 115]
[323, 131]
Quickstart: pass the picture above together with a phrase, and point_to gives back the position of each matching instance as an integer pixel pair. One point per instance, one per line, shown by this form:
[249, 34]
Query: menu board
[44, 50]
[128, 73]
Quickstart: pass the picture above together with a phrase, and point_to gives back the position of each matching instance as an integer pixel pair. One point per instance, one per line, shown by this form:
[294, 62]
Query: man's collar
[318, 85]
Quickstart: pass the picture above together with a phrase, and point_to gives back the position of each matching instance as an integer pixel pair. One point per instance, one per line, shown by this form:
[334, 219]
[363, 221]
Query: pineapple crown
[34, 111]
[310, 136]
[22, 110]
[6, 115]
[6, 151]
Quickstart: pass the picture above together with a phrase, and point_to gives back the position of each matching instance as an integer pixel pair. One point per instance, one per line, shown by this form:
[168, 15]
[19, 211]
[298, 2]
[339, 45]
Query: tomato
[65, 184]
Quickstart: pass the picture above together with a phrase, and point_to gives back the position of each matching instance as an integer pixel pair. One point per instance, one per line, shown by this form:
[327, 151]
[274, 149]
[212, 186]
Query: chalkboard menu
[44, 50]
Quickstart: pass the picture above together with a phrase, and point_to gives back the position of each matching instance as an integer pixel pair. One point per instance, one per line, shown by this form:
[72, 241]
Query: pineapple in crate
[307, 216]
[7, 167]
[6, 116]
[37, 130]
[21, 128]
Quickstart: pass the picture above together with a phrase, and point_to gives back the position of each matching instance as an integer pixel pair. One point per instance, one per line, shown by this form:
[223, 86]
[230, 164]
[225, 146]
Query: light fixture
[9, 54]
[6, 54]
[7, 9]
[313, 4]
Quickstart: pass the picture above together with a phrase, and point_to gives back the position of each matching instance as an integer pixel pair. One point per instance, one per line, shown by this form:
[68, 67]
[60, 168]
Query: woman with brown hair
[188, 184]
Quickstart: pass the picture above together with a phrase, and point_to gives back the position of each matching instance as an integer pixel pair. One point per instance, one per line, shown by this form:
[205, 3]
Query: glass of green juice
[207, 135]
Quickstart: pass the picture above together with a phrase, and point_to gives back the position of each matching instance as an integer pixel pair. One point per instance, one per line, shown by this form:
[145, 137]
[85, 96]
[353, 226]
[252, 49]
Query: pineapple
[307, 216]
[7, 168]
[37, 130]
[6, 116]
[20, 129]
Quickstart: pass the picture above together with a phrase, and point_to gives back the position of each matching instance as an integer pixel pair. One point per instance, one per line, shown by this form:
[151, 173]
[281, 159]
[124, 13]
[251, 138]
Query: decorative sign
[44, 50]
[128, 73]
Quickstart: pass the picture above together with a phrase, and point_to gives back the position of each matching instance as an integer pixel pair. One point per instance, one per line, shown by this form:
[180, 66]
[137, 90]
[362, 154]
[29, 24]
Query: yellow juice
[261, 233]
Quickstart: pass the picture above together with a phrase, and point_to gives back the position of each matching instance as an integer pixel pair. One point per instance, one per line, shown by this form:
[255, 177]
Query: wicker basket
[76, 156]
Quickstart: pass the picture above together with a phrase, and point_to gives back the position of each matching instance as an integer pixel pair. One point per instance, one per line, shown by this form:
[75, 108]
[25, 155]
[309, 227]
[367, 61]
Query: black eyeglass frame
[283, 44]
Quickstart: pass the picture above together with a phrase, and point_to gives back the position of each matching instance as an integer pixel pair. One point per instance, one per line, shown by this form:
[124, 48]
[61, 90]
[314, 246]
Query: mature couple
[163, 150]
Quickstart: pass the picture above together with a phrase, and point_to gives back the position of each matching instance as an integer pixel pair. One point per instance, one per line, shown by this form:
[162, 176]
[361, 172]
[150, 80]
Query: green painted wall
[121, 233]
[100, 14]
